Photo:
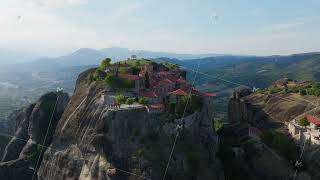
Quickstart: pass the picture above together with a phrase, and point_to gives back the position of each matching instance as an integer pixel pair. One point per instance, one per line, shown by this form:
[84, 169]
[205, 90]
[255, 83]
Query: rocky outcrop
[34, 127]
[10, 126]
[266, 111]
[94, 141]
[271, 111]
[16, 170]
[14, 147]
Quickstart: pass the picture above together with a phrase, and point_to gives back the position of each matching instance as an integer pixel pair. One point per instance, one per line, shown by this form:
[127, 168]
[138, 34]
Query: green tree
[127, 84]
[196, 103]
[105, 63]
[142, 100]
[303, 92]
[120, 99]
[303, 122]
[99, 74]
[135, 69]
[267, 137]
[123, 70]
[188, 105]
[129, 101]
[110, 79]
[181, 105]
[172, 108]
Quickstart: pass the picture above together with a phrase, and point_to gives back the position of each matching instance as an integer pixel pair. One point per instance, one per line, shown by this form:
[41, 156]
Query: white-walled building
[310, 132]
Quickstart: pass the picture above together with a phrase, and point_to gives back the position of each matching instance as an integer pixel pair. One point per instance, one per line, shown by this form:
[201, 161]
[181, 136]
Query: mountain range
[87, 56]
[33, 78]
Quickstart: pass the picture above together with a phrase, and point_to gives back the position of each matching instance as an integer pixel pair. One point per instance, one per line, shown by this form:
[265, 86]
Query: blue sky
[256, 27]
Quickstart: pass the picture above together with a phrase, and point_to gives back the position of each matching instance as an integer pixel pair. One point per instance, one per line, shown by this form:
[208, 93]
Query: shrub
[274, 90]
[141, 153]
[142, 100]
[91, 77]
[303, 122]
[120, 99]
[303, 92]
[130, 101]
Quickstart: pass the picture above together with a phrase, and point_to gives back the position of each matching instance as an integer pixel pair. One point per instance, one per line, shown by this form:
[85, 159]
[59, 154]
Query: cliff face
[272, 112]
[267, 111]
[95, 141]
[27, 130]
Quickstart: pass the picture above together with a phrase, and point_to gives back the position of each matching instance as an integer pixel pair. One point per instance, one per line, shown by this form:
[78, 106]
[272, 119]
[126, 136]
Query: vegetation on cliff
[282, 144]
[303, 122]
[187, 105]
[291, 86]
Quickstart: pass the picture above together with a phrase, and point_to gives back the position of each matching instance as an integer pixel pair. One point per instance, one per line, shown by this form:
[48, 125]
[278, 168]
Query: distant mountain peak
[86, 51]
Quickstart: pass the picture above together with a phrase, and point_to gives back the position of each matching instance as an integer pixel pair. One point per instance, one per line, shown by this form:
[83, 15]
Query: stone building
[310, 132]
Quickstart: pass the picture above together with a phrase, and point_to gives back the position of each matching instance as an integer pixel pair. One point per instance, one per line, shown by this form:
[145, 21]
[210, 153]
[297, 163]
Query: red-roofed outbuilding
[165, 81]
[313, 120]
[209, 94]
[178, 92]
[150, 95]
[181, 80]
[156, 106]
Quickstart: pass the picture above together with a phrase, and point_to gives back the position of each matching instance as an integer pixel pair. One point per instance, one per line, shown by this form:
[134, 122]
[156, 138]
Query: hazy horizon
[29, 57]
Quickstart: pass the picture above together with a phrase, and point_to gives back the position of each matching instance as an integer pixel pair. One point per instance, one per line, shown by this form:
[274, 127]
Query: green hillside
[261, 74]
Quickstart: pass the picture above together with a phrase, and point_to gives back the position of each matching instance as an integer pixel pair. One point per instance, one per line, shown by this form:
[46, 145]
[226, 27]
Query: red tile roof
[155, 106]
[178, 92]
[181, 80]
[165, 81]
[163, 73]
[209, 94]
[150, 95]
[313, 119]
